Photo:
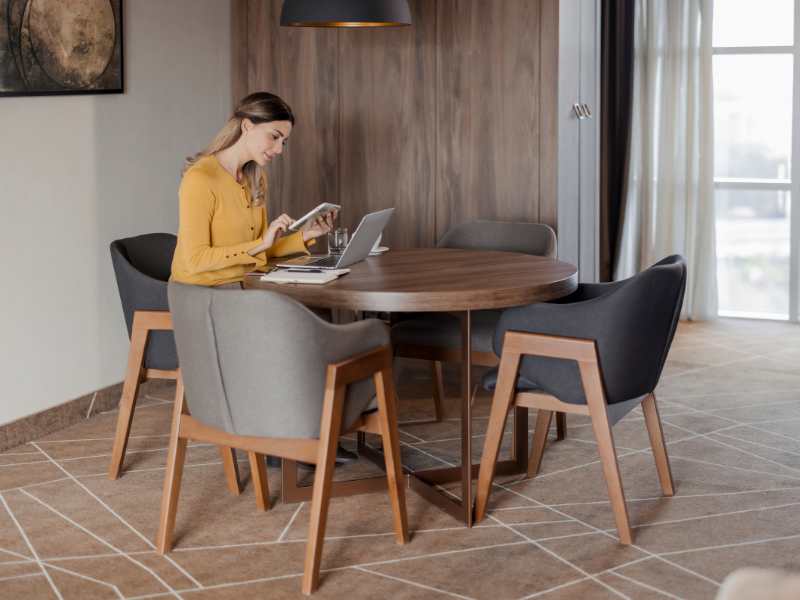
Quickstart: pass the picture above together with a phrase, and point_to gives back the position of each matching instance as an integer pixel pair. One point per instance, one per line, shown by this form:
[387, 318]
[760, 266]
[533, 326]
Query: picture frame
[66, 47]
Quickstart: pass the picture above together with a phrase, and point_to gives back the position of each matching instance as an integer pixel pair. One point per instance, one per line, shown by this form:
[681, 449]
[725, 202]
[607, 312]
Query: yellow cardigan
[217, 227]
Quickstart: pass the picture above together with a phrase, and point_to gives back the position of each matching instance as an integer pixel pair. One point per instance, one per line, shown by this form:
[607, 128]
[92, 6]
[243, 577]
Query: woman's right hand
[276, 229]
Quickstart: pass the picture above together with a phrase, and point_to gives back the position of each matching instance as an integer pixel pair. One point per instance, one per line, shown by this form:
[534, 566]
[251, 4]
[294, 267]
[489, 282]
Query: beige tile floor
[730, 402]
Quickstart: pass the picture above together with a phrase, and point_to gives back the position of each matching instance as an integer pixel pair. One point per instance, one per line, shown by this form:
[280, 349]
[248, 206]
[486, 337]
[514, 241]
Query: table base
[427, 483]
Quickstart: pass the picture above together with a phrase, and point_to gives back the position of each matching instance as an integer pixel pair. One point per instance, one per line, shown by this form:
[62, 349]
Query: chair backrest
[142, 267]
[254, 362]
[528, 238]
[633, 324]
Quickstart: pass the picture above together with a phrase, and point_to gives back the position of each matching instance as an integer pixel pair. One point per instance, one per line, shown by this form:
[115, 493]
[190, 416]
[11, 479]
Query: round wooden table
[440, 280]
[437, 279]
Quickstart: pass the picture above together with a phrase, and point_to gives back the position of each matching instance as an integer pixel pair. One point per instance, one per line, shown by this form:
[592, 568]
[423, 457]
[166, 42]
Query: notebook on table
[303, 276]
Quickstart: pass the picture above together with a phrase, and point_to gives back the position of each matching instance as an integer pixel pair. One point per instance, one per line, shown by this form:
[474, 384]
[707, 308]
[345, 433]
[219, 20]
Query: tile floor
[730, 402]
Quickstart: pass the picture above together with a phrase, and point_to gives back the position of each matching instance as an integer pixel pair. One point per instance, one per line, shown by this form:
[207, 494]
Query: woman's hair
[260, 107]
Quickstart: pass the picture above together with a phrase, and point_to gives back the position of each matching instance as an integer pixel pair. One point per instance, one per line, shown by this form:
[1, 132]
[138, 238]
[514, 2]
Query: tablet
[319, 211]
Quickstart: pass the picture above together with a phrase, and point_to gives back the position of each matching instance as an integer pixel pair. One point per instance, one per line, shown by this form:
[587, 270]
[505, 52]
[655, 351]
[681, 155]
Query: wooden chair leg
[231, 467]
[258, 473]
[501, 403]
[595, 398]
[387, 413]
[653, 421]
[543, 420]
[127, 403]
[323, 478]
[561, 425]
[438, 390]
[172, 479]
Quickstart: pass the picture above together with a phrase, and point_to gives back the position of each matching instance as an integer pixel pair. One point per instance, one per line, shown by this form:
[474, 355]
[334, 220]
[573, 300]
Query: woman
[222, 228]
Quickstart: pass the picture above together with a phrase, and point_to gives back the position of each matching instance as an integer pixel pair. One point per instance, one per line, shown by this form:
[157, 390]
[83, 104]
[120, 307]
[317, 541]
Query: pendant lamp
[345, 13]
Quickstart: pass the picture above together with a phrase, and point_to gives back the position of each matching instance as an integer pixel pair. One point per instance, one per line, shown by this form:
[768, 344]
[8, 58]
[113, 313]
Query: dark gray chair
[598, 352]
[265, 374]
[437, 336]
[142, 266]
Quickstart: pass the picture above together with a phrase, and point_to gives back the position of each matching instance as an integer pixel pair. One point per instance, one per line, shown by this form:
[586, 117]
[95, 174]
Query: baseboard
[58, 417]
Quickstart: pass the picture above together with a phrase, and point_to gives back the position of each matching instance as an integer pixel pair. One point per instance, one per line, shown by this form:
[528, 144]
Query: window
[755, 109]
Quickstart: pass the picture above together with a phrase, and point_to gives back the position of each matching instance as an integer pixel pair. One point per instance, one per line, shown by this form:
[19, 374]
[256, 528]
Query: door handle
[587, 111]
[579, 111]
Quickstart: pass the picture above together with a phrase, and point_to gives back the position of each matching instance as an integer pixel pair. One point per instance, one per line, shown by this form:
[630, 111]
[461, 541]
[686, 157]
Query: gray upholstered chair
[265, 374]
[598, 352]
[437, 336]
[142, 267]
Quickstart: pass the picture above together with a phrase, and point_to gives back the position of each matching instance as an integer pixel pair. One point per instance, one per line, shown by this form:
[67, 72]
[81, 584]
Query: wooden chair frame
[322, 452]
[436, 356]
[584, 352]
[145, 321]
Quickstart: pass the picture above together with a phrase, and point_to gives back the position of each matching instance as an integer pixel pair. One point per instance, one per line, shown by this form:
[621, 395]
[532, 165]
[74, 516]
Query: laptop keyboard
[327, 261]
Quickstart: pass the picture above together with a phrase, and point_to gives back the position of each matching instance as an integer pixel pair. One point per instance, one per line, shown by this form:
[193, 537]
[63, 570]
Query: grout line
[713, 464]
[413, 583]
[101, 439]
[598, 530]
[20, 464]
[561, 558]
[289, 524]
[646, 586]
[113, 512]
[9, 578]
[777, 433]
[86, 577]
[30, 547]
[104, 474]
[17, 554]
[556, 588]
[738, 439]
[712, 516]
[732, 447]
[419, 439]
[653, 498]
[327, 538]
[731, 545]
[98, 538]
[91, 405]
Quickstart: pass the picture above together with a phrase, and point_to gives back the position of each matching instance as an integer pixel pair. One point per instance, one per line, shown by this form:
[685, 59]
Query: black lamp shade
[345, 13]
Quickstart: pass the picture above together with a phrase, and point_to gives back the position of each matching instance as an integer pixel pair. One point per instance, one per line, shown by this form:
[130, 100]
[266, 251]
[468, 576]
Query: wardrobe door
[578, 135]
[589, 254]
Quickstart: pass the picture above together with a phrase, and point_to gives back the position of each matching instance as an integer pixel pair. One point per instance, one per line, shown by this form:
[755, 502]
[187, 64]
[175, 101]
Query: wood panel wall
[448, 120]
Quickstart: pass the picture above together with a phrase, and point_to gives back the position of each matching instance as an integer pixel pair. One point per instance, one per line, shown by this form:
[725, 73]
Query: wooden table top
[437, 279]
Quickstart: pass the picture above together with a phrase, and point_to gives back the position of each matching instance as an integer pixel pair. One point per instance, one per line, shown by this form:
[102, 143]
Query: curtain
[669, 198]
[616, 90]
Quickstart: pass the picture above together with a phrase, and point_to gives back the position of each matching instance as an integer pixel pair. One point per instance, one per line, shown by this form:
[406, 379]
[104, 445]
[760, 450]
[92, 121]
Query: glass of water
[337, 240]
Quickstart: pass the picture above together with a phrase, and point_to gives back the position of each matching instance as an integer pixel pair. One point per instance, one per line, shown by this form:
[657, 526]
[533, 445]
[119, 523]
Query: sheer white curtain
[669, 199]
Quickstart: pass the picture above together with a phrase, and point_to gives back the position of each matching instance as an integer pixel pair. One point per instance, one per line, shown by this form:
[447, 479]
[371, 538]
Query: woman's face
[266, 140]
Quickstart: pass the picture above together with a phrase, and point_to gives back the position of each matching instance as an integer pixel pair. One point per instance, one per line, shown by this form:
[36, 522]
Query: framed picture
[60, 47]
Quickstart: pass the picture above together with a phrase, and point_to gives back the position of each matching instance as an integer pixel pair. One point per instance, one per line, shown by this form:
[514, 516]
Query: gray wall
[80, 171]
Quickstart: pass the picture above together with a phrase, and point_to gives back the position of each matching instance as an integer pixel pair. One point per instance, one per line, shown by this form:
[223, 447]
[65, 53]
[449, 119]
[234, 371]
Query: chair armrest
[552, 346]
[152, 320]
[362, 365]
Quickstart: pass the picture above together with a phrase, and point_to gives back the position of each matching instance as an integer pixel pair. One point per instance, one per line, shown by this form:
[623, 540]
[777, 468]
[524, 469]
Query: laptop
[357, 249]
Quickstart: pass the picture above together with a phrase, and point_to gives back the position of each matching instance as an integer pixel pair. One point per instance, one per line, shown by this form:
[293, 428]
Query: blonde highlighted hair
[260, 107]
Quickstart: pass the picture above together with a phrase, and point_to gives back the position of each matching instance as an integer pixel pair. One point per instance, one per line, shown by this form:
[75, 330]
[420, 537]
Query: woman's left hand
[319, 227]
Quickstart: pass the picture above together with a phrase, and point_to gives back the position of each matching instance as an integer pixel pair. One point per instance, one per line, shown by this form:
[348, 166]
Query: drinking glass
[337, 240]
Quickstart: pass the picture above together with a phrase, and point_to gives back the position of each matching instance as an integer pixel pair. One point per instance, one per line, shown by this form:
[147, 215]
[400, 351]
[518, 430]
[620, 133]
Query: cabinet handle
[587, 111]
[579, 111]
